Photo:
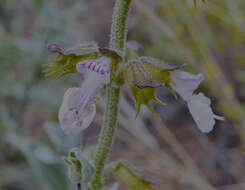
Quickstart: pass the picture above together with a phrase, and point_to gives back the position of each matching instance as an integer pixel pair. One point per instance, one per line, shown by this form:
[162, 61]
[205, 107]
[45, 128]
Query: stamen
[90, 65]
[93, 67]
[98, 69]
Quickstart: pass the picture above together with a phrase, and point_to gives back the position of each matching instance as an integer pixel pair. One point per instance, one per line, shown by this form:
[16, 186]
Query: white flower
[77, 110]
[185, 83]
[199, 105]
[71, 121]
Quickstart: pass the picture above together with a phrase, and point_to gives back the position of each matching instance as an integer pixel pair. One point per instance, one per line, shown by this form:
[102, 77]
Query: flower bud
[79, 167]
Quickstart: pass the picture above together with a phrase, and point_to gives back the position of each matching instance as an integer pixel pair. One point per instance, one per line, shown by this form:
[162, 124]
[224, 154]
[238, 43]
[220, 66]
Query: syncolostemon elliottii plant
[111, 67]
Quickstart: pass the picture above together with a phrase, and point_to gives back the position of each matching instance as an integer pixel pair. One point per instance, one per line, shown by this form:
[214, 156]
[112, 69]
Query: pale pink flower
[71, 121]
[78, 109]
[199, 107]
[185, 83]
[198, 104]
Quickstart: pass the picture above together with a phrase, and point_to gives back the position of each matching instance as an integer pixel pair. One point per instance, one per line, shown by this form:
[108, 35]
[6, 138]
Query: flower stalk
[117, 43]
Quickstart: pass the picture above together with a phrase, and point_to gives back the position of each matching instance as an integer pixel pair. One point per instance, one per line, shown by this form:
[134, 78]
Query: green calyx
[79, 167]
[143, 76]
[67, 59]
[143, 97]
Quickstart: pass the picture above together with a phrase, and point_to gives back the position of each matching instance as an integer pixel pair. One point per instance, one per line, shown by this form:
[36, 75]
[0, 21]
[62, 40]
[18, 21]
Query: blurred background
[172, 153]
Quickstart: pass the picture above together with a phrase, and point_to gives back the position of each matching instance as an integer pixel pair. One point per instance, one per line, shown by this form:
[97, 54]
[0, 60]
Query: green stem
[119, 24]
[117, 43]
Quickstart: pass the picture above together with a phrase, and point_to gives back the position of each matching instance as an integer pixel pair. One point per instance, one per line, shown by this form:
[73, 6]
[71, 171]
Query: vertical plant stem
[117, 43]
[106, 136]
[119, 24]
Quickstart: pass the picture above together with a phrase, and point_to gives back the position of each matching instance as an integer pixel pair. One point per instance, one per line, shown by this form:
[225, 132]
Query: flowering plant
[112, 67]
[143, 76]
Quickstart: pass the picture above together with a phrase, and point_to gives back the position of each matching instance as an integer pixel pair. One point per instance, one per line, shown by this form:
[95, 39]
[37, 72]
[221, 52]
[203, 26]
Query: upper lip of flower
[185, 83]
[97, 65]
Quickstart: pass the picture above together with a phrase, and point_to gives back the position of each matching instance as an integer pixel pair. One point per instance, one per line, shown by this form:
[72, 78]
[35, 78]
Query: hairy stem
[117, 43]
[119, 24]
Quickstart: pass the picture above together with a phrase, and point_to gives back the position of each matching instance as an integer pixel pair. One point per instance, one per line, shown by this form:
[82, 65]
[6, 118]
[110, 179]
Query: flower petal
[96, 70]
[199, 107]
[83, 122]
[100, 65]
[76, 112]
[67, 101]
[185, 83]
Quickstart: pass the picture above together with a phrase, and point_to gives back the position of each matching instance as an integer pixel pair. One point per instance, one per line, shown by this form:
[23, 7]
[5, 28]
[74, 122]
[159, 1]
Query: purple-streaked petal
[185, 83]
[73, 119]
[77, 110]
[199, 107]
[96, 71]
[100, 65]
[81, 123]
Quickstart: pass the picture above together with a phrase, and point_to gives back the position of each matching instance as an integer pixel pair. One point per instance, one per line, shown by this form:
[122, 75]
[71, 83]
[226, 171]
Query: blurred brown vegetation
[172, 153]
